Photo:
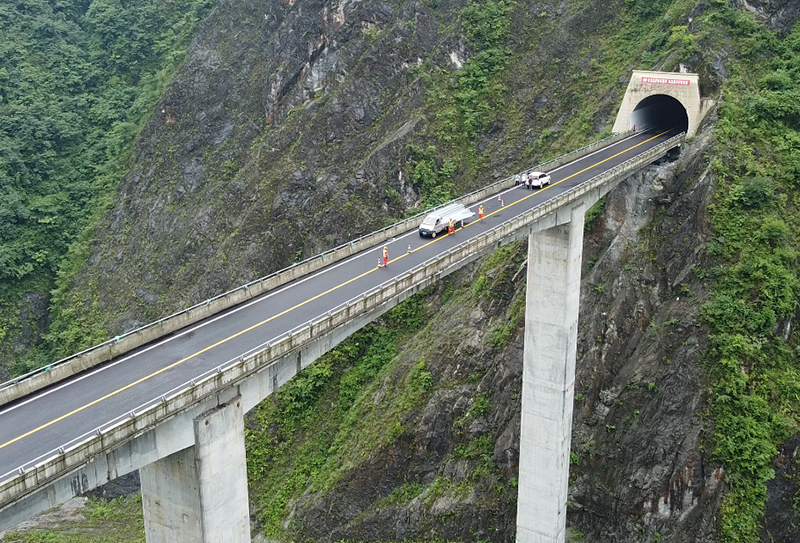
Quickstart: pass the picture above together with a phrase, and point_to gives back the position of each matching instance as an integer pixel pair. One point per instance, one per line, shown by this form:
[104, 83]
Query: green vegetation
[403, 494]
[308, 433]
[363, 399]
[461, 105]
[593, 214]
[755, 372]
[77, 81]
[477, 92]
[480, 406]
[116, 521]
[577, 536]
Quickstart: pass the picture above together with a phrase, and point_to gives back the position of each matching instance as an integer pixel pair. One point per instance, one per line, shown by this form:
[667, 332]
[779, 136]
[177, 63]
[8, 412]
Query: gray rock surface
[782, 522]
[287, 131]
[280, 137]
[639, 467]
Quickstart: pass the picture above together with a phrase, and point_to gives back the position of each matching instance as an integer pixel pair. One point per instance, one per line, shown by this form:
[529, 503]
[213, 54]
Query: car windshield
[429, 222]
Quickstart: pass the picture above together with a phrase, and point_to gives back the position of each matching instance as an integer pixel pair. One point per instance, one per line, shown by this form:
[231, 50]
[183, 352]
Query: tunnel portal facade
[662, 99]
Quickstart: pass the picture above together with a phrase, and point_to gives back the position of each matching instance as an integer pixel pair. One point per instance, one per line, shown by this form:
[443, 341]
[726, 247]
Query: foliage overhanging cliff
[77, 80]
[295, 125]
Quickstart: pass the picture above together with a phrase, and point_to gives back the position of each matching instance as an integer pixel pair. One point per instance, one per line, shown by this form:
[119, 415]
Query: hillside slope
[294, 126]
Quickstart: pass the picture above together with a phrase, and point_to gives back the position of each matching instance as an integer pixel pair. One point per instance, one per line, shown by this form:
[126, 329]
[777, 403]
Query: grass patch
[117, 521]
[325, 420]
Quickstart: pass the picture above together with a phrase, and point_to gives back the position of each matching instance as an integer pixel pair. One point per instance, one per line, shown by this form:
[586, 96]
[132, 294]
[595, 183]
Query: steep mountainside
[429, 449]
[77, 79]
[295, 125]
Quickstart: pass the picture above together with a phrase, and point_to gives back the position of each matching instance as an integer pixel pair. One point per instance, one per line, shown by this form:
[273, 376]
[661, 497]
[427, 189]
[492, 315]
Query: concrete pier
[199, 494]
[548, 379]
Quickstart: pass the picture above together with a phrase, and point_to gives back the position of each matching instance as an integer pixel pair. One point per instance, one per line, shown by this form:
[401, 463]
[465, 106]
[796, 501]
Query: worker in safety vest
[452, 228]
[385, 256]
[480, 212]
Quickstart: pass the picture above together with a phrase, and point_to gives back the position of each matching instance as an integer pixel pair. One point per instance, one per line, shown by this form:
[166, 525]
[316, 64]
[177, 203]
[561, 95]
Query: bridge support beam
[548, 379]
[199, 494]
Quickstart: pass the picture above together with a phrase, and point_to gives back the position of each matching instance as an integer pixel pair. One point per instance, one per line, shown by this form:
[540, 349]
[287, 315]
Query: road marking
[181, 361]
[264, 297]
[194, 328]
[571, 176]
[542, 189]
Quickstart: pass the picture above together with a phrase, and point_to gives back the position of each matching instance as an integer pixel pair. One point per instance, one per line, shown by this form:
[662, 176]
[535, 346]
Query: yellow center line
[571, 176]
[541, 190]
[181, 361]
[265, 321]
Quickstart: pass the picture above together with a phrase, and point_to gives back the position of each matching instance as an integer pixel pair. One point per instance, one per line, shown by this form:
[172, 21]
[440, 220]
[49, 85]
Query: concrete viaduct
[176, 412]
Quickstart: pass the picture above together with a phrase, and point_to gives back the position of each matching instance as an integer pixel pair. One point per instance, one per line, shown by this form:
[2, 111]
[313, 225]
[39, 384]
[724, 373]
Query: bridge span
[169, 399]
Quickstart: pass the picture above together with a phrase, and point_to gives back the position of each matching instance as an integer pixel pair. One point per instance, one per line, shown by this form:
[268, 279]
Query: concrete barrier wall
[373, 303]
[43, 377]
[176, 433]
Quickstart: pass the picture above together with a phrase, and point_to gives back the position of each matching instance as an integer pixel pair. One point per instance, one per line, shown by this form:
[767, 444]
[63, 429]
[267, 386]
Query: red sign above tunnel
[665, 81]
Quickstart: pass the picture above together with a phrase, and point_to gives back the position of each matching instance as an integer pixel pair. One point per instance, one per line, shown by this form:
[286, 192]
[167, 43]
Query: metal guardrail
[73, 454]
[93, 356]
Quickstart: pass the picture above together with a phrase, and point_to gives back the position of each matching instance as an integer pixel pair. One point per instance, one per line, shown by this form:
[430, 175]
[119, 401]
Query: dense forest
[77, 80]
[384, 430]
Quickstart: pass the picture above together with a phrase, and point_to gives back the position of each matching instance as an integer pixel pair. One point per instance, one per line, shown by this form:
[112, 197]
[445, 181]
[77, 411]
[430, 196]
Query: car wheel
[433, 234]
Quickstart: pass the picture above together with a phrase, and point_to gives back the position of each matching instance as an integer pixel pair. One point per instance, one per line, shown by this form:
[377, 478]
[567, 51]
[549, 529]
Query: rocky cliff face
[289, 130]
[284, 134]
[638, 467]
[640, 400]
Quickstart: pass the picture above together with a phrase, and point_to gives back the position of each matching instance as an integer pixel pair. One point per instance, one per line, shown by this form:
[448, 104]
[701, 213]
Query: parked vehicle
[437, 221]
[538, 180]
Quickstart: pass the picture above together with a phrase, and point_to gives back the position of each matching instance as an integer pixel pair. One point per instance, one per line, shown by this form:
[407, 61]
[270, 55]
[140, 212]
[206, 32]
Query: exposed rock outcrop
[638, 462]
[287, 132]
[284, 134]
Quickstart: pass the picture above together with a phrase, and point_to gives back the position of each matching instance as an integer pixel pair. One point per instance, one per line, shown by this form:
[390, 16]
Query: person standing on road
[385, 256]
[452, 228]
[480, 212]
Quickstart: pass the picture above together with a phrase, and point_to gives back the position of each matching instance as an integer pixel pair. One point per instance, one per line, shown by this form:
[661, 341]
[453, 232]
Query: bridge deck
[35, 426]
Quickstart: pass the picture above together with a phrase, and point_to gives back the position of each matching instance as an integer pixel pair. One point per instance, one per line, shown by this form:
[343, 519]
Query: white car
[538, 179]
[439, 220]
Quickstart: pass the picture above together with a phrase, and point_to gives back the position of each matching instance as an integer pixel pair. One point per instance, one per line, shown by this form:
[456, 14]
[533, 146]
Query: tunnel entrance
[662, 99]
[660, 111]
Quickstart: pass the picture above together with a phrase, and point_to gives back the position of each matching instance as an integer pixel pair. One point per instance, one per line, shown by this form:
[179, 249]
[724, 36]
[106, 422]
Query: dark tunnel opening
[660, 112]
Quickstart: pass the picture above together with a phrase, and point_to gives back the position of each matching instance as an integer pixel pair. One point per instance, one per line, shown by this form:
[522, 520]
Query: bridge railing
[119, 345]
[110, 435]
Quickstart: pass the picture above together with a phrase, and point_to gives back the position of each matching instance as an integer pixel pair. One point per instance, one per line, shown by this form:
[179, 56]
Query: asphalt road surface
[33, 427]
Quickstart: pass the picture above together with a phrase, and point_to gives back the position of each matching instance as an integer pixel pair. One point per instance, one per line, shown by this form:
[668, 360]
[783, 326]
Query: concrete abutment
[199, 494]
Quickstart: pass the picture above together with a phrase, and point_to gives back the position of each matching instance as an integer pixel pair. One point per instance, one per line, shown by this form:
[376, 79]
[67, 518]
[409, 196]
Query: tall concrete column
[548, 379]
[199, 494]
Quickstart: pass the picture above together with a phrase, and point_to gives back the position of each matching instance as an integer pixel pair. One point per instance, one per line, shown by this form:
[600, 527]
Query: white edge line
[266, 296]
